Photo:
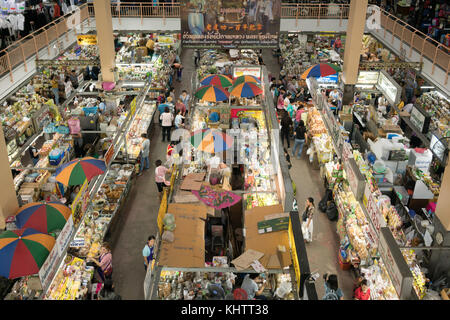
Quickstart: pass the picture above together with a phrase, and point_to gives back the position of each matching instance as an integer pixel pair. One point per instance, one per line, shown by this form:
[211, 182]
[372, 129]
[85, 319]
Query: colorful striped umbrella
[44, 217]
[245, 90]
[211, 141]
[218, 80]
[321, 70]
[246, 78]
[23, 252]
[212, 93]
[77, 171]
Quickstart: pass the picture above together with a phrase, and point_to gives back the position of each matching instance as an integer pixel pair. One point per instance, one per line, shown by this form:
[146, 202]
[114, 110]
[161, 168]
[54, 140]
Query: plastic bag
[168, 236]
[283, 289]
[169, 222]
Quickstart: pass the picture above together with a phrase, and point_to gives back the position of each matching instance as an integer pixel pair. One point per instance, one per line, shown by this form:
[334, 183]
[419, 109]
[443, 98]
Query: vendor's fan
[216, 199]
[23, 252]
[44, 217]
[211, 141]
[77, 171]
[321, 70]
[212, 93]
[246, 90]
[218, 80]
[246, 78]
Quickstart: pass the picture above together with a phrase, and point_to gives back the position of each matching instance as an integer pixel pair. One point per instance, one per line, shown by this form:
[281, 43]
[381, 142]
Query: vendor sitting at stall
[104, 262]
[251, 287]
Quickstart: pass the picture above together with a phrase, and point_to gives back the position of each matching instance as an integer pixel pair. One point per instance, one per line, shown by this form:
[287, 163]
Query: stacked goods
[419, 278]
[71, 281]
[316, 126]
[439, 109]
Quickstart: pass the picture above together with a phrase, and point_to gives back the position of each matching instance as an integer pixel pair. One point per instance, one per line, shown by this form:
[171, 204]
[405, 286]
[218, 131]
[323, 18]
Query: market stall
[249, 194]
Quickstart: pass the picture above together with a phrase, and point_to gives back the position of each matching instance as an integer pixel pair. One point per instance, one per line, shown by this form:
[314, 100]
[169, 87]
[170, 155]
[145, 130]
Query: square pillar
[105, 39]
[353, 41]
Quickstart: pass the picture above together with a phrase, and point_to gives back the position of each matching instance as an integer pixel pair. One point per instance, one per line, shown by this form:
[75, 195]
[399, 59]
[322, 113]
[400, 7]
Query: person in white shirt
[178, 120]
[144, 154]
[166, 123]
[408, 107]
[334, 94]
[30, 88]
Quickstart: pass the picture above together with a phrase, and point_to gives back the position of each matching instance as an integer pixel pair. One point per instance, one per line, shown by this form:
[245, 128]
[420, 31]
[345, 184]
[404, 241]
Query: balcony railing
[17, 53]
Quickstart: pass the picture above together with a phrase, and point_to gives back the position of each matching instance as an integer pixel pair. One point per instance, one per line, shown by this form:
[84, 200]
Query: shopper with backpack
[332, 290]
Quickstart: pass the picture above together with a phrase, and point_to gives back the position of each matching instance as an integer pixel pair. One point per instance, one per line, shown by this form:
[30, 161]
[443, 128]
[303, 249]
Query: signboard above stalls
[247, 71]
[86, 39]
[229, 24]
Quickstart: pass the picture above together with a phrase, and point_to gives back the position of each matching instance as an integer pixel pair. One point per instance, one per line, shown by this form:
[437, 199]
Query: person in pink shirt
[298, 116]
[104, 262]
[160, 177]
[280, 102]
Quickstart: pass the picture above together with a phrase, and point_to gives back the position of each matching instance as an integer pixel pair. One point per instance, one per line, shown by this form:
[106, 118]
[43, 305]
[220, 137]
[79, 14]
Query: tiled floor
[140, 211]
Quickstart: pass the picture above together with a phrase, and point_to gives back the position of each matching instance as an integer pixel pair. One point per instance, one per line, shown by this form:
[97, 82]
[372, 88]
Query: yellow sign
[133, 106]
[166, 39]
[294, 255]
[162, 211]
[78, 207]
[86, 39]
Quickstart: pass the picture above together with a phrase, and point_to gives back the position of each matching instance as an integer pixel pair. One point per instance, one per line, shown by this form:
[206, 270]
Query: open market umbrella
[211, 141]
[212, 93]
[23, 252]
[246, 78]
[77, 171]
[219, 80]
[245, 90]
[321, 70]
[216, 199]
[43, 217]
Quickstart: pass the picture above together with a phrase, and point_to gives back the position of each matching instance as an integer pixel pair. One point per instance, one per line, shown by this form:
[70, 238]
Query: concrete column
[353, 41]
[105, 39]
[8, 197]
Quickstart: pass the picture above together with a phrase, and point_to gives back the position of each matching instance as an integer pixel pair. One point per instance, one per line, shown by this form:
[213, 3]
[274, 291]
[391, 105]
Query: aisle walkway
[323, 251]
[140, 212]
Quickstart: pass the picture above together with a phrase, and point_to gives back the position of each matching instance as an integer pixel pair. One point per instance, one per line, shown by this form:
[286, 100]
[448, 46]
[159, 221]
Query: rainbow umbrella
[218, 80]
[212, 93]
[245, 90]
[44, 217]
[246, 78]
[321, 70]
[211, 141]
[23, 252]
[75, 172]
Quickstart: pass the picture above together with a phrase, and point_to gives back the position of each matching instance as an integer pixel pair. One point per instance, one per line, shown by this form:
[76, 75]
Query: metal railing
[426, 46]
[18, 52]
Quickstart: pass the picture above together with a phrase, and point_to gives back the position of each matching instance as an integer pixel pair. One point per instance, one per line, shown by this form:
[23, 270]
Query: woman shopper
[300, 137]
[307, 217]
[104, 262]
[286, 126]
[160, 177]
[332, 290]
[145, 163]
[166, 123]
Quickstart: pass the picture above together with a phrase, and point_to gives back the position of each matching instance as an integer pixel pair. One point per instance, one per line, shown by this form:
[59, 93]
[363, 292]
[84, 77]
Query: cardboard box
[345, 116]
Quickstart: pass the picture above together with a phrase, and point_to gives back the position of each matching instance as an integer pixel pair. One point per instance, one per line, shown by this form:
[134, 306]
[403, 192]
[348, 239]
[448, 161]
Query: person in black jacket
[286, 126]
[300, 137]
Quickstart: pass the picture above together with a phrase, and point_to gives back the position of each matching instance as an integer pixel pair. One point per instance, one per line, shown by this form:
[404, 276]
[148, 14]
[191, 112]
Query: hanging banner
[230, 24]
